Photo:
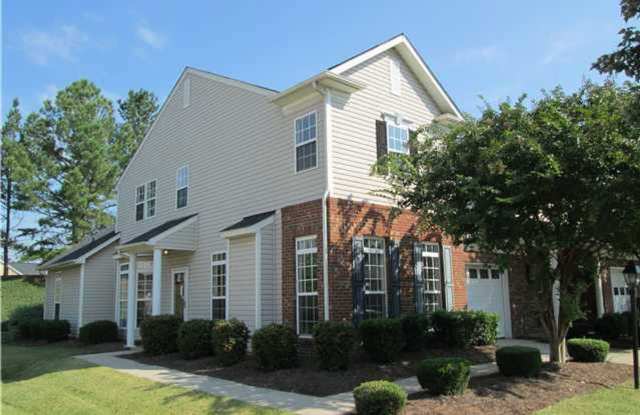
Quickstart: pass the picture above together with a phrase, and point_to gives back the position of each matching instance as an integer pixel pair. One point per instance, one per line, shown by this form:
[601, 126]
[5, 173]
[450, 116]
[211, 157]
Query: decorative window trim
[123, 270]
[305, 251]
[225, 297]
[182, 186]
[376, 251]
[404, 128]
[145, 201]
[395, 76]
[302, 143]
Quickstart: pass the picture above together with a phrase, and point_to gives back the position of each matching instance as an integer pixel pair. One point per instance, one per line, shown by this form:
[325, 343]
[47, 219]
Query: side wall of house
[49, 283]
[99, 286]
[242, 280]
[69, 306]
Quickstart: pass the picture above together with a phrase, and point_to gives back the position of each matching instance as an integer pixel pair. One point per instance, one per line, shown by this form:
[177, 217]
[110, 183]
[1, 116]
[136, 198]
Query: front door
[621, 293]
[179, 292]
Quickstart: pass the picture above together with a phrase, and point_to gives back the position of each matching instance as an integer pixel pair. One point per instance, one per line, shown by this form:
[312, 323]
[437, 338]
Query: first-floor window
[307, 283]
[219, 286]
[57, 297]
[145, 291]
[123, 296]
[431, 275]
[375, 278]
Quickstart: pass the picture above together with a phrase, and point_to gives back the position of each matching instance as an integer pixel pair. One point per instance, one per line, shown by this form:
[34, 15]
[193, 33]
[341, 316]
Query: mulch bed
[501, 395]
[308, 379]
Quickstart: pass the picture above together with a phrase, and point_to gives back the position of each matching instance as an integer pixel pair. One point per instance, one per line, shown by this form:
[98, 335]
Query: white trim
[296, 144]
[328, 136]
[599, 294]
[258, 281]
[297, 283]
[186, 166]
[248, 230]
[118, 289]
[400, 127]
[506, 305]
[185, 270]
[186, 93]
[228, 281]
[328, 79]
[213, 263]
[132, 288]
[156, 239]
[81, 298]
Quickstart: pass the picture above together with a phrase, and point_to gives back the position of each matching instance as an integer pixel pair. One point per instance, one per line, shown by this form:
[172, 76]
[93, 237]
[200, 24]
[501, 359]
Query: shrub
[5, 325]
[102, 331]
[465, 328]
[275, 347]
[519, 361]
[444, 375]
[382, 338]
[229, 339]
[333, 342]
[588, 350]
[379, 398]
[415, 328]
[160, 334]
[194, 338]
[28, 328]
[611, 326]
[580, 328]
[26, 312]
[54, 330]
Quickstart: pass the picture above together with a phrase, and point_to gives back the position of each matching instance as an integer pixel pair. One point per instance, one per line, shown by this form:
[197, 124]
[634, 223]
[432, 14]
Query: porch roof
[248, 224]
[84, 249]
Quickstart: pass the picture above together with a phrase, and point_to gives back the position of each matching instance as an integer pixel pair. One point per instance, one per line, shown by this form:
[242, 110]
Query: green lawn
[46, 379]
[18, 292]
[620, 400]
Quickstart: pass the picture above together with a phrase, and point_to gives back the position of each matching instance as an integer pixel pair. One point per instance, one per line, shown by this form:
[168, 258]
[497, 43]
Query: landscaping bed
[307, 378]
[497, 394]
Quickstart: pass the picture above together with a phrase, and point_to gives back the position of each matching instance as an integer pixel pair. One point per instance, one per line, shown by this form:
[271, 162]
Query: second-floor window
[146, 200]
[306, 142]
[182, 187]
[397, 139]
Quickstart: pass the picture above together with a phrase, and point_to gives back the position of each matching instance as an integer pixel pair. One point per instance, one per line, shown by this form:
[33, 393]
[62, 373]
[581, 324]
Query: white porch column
[157, 281]
[599, 294]
[132, 285]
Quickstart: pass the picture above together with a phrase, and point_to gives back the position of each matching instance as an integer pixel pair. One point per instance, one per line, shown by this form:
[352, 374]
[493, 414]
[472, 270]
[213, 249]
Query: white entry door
[486, 292]
[621, 293]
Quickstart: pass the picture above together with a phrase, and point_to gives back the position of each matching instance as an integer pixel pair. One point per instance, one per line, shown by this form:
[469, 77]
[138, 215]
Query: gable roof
[83, 250]
[158, 230]
[248, 224]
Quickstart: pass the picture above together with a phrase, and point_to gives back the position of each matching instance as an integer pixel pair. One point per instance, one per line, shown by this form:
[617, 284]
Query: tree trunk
[7, 228]
[557, 349]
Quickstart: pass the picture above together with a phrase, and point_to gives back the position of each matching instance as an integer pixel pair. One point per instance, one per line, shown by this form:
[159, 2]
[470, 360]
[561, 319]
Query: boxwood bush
[415, 328]
[379, 397]
[26, 312]
[275, 347]
[160, 334]
[588, 350]
[333, 342]
[194, 338]
[519, 361]
[101, 331]
[444, 375]
[611, 326]
[464, 328]
[49, 330]
[229, 339]
[382, 338]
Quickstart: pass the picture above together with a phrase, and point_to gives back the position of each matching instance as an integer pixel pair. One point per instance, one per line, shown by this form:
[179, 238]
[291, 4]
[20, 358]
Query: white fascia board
[249, 230]
[325, 79]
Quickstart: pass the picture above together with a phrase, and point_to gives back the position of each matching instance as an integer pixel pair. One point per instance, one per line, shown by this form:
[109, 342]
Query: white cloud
[49, 92]
[61, 43]
[154, 39]
[484, 53]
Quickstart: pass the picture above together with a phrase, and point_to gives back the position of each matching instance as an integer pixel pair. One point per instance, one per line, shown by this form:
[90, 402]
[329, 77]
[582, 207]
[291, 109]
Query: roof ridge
[231, 79]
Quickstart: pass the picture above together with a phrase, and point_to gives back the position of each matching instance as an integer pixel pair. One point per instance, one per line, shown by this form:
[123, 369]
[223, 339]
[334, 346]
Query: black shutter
[357, 281]
[418, 286]
[393, 261]
[412, 143]
[381, 138]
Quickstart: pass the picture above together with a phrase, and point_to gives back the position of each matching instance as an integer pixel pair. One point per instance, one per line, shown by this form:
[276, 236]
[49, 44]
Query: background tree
[535, 183]
[627, 57]
[138, 111]
[73, 172]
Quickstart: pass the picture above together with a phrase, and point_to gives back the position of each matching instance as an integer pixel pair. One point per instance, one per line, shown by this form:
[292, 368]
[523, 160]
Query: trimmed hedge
[49, 330]
[160, 334]
[588, 350]
[415, 328]
[229, 339]
[334, 342]
[444, 375]
[519, 361]
[611, 326]
[194, 338]
[382, 338]
[26, 312]
[101, 331]
[465, 328]
[379, 397]
[275, 347]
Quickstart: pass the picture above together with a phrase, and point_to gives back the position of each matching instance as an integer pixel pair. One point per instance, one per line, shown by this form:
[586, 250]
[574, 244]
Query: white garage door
[621, 293]
[485, 289]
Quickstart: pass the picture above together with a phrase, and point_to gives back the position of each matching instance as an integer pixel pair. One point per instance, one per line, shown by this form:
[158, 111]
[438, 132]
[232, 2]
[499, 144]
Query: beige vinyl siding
[49, 283]
[353, 123]
[241, 157]
[70, 296]
[241, 284]
[183, 239]
[100, 286]
[269, 288]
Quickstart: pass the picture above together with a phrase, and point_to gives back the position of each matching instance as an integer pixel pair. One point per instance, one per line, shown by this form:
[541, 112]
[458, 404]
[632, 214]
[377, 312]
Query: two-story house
[247, 202]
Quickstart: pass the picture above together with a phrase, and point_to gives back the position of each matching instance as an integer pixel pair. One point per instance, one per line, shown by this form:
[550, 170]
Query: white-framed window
[306, 141]
[397, 138]
[57, 297]
[146, 200]
[306, 284]
[483, 272]
[375, 278]
[123, 295]
[219, 286]
[144, 291]
[394, 77]
[431, 275]
[182, 187]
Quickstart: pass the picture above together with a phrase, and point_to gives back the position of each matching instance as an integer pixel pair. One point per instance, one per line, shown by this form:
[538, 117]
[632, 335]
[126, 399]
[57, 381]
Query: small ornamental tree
[548, 183]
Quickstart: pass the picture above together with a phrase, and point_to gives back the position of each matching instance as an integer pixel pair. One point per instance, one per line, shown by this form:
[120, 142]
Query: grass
[18, 292]
[46, 379]
[622, 399]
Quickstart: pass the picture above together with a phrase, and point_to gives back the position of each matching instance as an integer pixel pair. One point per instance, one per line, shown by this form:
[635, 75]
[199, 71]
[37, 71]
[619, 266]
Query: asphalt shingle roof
[249, 220]
[158, 230]
[84, 248]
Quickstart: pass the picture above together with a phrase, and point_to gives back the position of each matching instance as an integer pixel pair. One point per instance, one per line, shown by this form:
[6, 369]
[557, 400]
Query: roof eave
[326, 79]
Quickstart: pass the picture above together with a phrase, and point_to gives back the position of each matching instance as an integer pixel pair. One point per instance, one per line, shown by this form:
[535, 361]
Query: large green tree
[626, 58]
[533, 182]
